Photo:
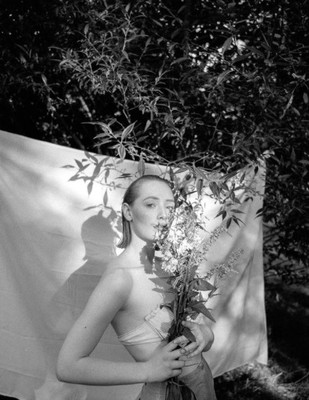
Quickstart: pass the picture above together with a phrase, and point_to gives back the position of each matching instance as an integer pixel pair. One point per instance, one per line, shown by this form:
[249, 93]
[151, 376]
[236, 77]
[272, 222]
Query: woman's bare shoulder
[116, 277]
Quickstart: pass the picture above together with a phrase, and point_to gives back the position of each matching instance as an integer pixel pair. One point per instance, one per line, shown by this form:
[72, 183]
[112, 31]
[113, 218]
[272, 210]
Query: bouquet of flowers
[183, 247]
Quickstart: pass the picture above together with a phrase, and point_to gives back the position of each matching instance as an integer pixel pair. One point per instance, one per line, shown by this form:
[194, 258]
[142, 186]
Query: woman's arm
[75, 365]
[74, 362]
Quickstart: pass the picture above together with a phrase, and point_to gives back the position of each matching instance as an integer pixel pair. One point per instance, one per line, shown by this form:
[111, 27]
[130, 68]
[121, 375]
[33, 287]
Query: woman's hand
[164, 363]
[204, 337]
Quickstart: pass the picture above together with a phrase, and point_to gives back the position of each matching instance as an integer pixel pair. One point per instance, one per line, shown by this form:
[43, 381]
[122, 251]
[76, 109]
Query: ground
[287, 374]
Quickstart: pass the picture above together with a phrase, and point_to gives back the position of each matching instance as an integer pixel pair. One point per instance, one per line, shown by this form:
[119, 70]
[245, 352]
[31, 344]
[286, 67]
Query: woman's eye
[150, 205]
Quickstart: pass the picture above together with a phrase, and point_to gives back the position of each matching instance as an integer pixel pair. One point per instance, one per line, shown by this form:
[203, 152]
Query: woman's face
[151, 208]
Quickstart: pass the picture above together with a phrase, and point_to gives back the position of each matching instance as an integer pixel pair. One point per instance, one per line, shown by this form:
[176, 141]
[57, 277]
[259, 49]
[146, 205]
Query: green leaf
[192, 294]
[126, 132]
[86, 29]
[104, 141]
[126, 56]
[44, 79]
[180, 60]
[221, 78]
[181, 170]
[224, 186]
[121, 151]
[157, 23]
[199, 186]
[255, 51]
[304, 162]
[232, 196]
[202, 309]
[171, 174]
[141, 166]
[188, 334]
[202, 284]
[227, 44]
[242, 177]
[214, 188]
[240, 58]
[230, 175]
[147, 125]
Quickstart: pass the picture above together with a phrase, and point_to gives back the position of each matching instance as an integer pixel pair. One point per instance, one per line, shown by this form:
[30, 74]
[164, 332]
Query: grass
[286, 376]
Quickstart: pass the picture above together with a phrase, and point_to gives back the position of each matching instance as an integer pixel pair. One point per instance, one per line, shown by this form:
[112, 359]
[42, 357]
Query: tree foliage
[205, 84]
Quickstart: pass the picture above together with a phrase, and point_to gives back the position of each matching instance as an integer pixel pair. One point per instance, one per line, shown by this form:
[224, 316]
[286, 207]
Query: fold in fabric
[55, 241]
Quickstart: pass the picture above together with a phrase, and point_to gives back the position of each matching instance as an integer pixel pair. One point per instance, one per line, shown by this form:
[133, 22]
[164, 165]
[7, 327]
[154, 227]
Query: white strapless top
[154, 329]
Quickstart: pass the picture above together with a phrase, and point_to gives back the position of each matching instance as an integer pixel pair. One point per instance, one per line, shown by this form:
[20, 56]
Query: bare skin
[128, 290]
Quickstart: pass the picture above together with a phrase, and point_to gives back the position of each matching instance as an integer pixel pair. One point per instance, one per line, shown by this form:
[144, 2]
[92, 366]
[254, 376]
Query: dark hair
[129, 197]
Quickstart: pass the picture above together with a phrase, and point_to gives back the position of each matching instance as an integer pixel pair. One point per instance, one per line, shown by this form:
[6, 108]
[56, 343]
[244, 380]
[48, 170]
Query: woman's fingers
[191, 347]
[184, 352]
[173, 344]
[165, 362]
[181, 340]
[201, 341]
[176, 372]
[173, 348]
[187, 349]
[177, 364]
[197, 351]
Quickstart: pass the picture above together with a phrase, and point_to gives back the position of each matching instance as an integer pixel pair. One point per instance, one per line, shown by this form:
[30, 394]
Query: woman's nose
[162, 221]
[163, 216]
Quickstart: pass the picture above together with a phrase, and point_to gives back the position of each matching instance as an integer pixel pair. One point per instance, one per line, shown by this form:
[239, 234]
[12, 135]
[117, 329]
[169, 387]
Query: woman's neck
[142, 252]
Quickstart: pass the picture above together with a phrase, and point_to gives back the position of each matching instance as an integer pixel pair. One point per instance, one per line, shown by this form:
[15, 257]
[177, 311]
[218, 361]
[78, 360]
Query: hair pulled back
[129, 197]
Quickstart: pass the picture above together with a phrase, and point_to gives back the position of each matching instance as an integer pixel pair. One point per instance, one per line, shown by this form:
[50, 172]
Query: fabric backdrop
[55, 240]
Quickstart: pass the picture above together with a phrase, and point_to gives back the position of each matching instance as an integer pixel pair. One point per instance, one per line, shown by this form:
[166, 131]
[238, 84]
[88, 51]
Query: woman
[129, 296]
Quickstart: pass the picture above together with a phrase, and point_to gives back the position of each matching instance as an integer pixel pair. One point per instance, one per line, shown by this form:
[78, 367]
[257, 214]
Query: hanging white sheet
[54, 242]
